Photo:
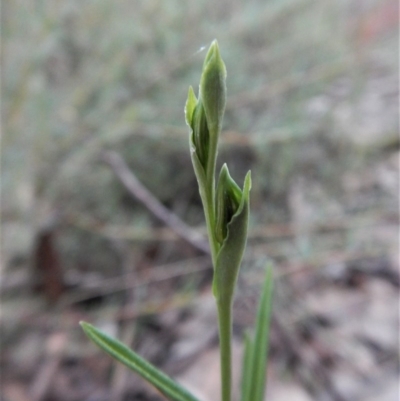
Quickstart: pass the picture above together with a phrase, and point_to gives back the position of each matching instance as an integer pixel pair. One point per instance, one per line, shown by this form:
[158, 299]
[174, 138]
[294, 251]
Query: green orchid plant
[226, 209]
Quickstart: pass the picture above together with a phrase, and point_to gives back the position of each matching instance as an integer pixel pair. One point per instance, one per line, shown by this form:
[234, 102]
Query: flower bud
[232, 215]
[201, 133]
[204, 115]
[213, 87]
[227, 202]
[196, 119]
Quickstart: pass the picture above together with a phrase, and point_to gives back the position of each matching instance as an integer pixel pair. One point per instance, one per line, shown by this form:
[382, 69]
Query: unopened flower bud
[204, 115]
[213, 87]
[227, 201]
[232, 215]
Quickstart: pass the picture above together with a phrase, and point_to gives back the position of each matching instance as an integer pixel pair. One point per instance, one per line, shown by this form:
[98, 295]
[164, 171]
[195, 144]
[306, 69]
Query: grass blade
[256, 352]
[246, 367]
[172, 390]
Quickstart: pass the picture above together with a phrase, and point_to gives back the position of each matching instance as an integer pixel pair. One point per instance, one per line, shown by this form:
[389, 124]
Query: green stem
[206, 195]
[209, 207]
[212, 151]
[210, 211]
[225, 335]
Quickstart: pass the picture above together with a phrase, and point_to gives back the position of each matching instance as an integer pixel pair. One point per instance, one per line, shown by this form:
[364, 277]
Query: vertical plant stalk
[209, 212]
[225, 344]
[226, 207]
[234, 232]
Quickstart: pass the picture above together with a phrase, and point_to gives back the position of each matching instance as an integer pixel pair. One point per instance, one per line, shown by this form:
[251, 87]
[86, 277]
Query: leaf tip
[86, 327]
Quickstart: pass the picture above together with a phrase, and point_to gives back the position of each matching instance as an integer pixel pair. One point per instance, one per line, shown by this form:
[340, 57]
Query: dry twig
[141, 193]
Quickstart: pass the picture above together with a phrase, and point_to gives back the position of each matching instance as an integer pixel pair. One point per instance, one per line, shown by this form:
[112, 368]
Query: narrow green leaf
[246, 367]
[123, 354]
[261, 341]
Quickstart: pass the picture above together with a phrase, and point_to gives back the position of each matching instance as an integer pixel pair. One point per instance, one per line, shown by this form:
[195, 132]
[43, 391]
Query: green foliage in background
[226, 210]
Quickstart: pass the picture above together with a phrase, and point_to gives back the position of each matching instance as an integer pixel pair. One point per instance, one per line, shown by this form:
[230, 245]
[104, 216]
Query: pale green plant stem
[209, 212]
[210, 169]
[225, 335]
[210, 207]
[224, 306]
[208, 197]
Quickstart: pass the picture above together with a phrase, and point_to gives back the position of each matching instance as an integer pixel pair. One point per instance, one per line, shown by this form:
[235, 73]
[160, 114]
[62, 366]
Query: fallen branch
[142, 194]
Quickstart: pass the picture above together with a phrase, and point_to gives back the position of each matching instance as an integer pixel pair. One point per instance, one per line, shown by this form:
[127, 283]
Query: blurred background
[95, 160]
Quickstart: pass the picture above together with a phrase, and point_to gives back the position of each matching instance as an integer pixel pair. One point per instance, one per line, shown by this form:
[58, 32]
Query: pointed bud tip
[213, 87]
[190, 105]
[214, 53]
[214, 48]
